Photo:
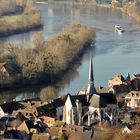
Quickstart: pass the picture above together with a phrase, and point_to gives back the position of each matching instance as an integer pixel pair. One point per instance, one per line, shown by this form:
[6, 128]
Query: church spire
[91, 78]
[91, 89]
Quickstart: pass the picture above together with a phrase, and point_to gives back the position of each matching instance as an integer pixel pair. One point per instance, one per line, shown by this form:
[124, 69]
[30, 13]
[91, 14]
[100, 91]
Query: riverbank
[18, 16]
[130, 8]
[50, 59]
[20, 23]
[133, 11]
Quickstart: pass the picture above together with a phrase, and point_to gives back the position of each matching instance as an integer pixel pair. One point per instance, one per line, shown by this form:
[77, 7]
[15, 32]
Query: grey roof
[30, 124]
[109, 98]
[97, 101]
[59, 102]
[101, 100]
[12, 69]
[81, 98]
[9, 107]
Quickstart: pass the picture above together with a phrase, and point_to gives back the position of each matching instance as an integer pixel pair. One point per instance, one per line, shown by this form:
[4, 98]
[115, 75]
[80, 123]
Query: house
[127, 129]
[48, 120]
[15, 135]
[59, 104]
[9, 73]
[132, 99]
[27, 112]
[116, 80]
[9, 107]
[54, 108]
[27, 126]
[30, 126]
[119, 84]
[8, 69]
[46, 110]
[136, 82]
[12, 124]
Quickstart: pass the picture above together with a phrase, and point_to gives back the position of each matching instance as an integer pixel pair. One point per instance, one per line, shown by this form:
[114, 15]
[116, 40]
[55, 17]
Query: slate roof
[59, 102]
[101, 100]
[9, 107]
[11, 68]
[46, 109]
[2, 64]
[108, 98]
[30, 124]
[97, 101]
[81, 98]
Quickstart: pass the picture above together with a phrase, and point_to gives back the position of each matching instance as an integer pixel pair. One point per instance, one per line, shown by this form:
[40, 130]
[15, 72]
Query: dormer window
[132, 94]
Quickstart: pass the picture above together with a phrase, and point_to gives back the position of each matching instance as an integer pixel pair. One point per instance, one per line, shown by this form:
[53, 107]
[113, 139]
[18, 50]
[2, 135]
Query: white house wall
[133, 102]
[1, 112]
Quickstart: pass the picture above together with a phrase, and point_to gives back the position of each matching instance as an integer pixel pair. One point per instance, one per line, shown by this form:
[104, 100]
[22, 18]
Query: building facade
[132, 99]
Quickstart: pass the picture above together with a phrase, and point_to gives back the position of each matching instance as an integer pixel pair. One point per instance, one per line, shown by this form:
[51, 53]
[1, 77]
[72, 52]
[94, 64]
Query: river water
[112, 53]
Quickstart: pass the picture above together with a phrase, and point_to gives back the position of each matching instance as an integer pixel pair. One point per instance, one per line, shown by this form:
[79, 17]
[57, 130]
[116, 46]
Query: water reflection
[18, 94]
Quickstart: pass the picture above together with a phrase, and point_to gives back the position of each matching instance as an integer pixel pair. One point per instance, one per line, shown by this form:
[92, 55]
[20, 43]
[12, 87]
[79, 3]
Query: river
[112, 53]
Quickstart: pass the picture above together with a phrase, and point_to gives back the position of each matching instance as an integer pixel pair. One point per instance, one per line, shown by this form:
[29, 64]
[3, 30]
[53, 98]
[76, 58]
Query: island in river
[47, 61]
[17, 17]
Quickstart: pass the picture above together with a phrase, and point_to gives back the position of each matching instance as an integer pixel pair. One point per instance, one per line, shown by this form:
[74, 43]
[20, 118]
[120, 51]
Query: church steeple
[91, 89]
[91, 78]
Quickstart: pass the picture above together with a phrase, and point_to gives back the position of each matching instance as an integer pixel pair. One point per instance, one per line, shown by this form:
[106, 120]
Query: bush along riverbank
[131, 8]
[11, 7]
[28, 19]
[48, 60]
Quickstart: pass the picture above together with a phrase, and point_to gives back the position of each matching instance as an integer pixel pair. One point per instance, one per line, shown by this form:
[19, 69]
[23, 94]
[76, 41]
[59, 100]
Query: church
[90, 104]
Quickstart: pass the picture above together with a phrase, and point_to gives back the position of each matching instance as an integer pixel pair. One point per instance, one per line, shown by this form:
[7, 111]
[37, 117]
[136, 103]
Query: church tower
[90, 89]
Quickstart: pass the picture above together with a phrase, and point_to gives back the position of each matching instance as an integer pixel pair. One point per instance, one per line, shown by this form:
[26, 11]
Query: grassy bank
[48, 61]
[18, 23]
